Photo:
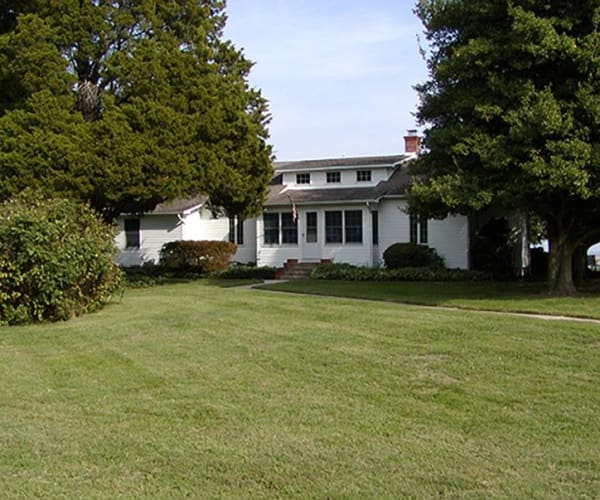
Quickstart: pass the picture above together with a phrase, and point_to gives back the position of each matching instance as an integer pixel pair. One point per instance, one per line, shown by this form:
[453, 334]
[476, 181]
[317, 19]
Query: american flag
[294, 211]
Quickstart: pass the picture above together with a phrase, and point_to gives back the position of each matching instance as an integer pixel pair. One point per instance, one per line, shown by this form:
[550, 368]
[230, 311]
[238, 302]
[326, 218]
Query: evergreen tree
[128, 103]
[513, 110]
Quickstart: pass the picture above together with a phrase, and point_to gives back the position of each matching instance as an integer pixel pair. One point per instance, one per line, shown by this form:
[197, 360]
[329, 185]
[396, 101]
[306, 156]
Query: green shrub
[354, 273]
[331, 271]
[56, 260]
[401, 255]
[201, 257]
[244, 271]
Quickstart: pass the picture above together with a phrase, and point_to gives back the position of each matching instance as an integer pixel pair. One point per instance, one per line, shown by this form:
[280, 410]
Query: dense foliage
[128, 103]
[401, 255]
[491, 250]
[56, 260]
[512, 106]
[349, 272]
[202, 257]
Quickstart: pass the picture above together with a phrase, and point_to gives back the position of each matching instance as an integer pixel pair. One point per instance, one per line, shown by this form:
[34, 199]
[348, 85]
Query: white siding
[201, 225]
[155, 231]
[246, 252]
[318, 179]
[394, 225]
[449, 236]
[352, 253]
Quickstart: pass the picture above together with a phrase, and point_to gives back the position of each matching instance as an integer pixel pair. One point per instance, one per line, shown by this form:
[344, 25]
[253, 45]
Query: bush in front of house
[400, 255]
[246, 271]
[349, 272]
[198, 257]
[56, 260]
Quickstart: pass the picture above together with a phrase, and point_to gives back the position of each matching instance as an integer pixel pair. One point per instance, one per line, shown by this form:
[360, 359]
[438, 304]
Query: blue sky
[339, 75]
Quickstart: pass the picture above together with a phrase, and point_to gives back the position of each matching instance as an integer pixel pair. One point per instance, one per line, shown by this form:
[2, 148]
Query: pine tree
[513, 113]
[128, 103]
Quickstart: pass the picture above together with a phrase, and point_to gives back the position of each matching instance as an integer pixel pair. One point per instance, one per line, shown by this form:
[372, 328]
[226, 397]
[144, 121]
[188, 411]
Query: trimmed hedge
[56, 260]
[244, 271]
[401, 255]
[354, 273]
[202, 257]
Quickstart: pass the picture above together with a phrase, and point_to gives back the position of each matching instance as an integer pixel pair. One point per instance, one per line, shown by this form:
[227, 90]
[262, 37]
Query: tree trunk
[560, 265]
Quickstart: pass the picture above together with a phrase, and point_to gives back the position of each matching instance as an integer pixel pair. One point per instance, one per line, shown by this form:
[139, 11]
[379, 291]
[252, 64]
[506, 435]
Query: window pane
[302, 178]
[289, 228]
[413, 229]
[333, 227]
[334, 177]
[132, 233]
[271, 228]
[353, 219]
[375, 226]
[363, 175]
[240, 231]
[232, 229]
[311, 227]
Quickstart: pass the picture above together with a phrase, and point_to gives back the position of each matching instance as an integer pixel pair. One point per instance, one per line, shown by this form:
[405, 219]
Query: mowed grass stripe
[205, 391]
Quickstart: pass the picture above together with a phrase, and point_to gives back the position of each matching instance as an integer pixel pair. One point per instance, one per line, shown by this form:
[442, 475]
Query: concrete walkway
[544, 317]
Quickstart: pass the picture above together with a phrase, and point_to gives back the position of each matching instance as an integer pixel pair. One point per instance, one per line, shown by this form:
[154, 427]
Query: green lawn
[192, 389]
[492, 296]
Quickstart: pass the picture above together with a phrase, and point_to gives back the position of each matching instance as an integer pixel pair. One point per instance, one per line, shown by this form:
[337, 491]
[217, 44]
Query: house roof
[280, 195]
[396, 185]
[180, 205]
[362, 161]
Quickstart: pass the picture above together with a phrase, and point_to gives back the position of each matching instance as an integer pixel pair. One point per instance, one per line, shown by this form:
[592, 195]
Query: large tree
[128, 103]
[512, 108]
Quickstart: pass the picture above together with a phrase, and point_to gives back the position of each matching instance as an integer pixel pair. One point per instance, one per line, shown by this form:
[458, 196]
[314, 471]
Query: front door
[311, 248]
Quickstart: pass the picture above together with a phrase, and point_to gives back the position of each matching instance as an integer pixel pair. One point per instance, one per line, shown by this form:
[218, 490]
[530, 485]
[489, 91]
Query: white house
[341, 210]
[140, 238]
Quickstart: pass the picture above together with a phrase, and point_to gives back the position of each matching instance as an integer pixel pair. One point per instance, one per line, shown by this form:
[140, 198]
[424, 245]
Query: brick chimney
[412, 142]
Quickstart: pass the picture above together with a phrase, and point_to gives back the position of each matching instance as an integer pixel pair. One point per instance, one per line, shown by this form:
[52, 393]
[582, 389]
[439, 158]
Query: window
[334, 177]
[302, 178]
[132, 233]
[418, 227]
[236, 230]
[276, 225]
[343, 227]
[240, 231]
[271, 228]
[333, 227]
[414, 225]
[363, 176]
[353, 226]
[232, 229]
[289, 228]
[375, 226]
[311, 227]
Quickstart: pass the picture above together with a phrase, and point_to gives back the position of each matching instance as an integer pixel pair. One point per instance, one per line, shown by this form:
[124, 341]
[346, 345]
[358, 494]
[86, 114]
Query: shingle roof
[395, 186]
[279, 195]
[180, 205]
[362, 161]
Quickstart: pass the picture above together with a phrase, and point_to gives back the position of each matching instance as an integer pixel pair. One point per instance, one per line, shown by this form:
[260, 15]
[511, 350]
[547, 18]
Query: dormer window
[363, 176]
[334, 177]
[302, 178]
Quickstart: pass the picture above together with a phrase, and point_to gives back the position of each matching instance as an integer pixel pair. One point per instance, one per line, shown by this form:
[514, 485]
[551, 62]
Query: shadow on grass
[521, 297]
